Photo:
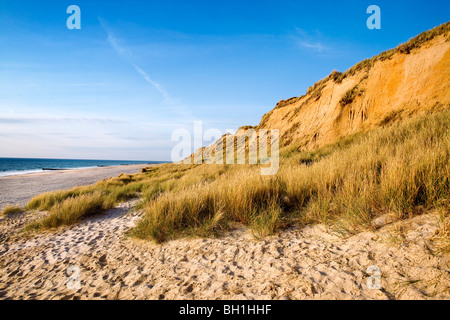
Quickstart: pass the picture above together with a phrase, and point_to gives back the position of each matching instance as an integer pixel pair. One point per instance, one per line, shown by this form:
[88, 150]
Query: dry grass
[71, 211]
[441, 239]
[283, 103]
[405, 48]
[350, 95]
[345, 185]
[11, 210]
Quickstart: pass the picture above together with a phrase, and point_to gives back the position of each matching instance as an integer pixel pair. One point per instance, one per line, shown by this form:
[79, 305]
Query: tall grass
[394, 169]
[347, 184]
[71, 211]
[11, 210]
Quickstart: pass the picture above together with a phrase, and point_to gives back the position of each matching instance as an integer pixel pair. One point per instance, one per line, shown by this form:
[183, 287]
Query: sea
[18, 166]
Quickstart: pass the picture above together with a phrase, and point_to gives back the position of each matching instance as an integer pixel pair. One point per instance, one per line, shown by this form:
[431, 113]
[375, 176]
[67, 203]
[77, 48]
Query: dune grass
[350, 95]
[71, 211]
[11, 210]
[397, 169]
[405, 48]
[346, 185]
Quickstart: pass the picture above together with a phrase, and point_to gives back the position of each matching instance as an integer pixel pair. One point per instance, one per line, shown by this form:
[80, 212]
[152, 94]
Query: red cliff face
[412, 78]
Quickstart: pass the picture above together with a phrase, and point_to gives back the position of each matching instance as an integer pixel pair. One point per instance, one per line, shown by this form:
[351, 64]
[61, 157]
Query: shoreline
[13, 173]
[19, 189]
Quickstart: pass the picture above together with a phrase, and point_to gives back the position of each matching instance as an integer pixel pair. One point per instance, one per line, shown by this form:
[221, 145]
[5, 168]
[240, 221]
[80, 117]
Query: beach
[20, 189]
[96, 260]
[192, 151]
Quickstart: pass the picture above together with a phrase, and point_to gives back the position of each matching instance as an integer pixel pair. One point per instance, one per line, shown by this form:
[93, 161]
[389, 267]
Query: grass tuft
[11, 210]
[71, 211]
[350, 96]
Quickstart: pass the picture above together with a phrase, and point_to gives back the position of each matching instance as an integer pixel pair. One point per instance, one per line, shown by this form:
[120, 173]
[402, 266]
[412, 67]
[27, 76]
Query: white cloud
[155, 84]
[125, 54]
[315, 46]
[309, 42]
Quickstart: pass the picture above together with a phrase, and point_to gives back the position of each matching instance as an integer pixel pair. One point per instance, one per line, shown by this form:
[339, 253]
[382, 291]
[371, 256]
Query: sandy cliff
[396, 85]
[392, 86]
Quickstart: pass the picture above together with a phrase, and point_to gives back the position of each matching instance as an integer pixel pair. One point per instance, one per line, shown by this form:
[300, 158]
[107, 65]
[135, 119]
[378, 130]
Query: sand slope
[307, 263]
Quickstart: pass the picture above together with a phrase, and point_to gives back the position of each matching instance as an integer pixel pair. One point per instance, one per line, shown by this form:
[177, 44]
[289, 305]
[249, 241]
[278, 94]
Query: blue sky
[138, 70]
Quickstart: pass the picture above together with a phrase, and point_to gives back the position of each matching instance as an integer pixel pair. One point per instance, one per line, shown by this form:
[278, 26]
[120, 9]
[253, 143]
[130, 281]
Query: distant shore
[19, 189]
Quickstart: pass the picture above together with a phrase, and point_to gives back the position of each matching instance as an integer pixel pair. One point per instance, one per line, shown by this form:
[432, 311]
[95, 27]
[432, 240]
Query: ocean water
[16, 166]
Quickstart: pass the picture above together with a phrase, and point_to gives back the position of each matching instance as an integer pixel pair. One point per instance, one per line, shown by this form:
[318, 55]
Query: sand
[20, 189]
[96, 260]
[298, 263]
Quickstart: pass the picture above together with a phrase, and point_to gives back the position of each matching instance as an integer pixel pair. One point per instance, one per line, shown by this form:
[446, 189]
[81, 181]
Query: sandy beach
[308, 262]
[21, 188]
[278, 152]
[298, 263]
[96, 259]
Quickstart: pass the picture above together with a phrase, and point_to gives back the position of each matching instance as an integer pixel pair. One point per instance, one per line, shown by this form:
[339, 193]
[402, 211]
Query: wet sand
[21, 188]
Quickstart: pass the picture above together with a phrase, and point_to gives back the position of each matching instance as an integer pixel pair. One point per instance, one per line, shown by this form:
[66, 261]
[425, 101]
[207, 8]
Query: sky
[137, 71]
